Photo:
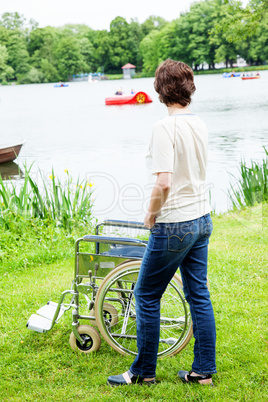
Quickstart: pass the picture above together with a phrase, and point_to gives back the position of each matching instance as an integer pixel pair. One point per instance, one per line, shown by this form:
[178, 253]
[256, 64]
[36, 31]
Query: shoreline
[112, 77]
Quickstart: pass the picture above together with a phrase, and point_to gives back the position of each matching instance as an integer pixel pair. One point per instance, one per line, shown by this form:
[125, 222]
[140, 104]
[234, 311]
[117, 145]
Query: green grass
[40, 223]
[42, 367]
[62, 203]
[252, 184]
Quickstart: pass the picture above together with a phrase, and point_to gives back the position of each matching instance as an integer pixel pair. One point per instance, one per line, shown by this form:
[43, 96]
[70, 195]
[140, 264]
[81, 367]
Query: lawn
[36, 367]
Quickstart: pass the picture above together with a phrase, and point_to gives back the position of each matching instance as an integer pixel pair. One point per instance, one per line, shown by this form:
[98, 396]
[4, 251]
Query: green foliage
[50, 72]
[121, 44]
[213, 31]
[64, 204]
[240, 22]
[149, 51]
[252, 186]
[152, 23]
[12, 21]
[70, 60]
[33, 76]
[6, 71]
[43, 366]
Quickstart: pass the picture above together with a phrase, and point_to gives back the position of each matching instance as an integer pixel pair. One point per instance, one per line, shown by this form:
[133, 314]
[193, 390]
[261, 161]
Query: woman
[180, 223]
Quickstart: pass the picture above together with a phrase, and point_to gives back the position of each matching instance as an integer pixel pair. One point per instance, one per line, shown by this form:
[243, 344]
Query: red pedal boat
[139, 97]
[250, 77]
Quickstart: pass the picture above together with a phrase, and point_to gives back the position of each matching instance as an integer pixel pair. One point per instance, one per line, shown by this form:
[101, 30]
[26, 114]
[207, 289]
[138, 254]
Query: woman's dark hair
[174, 82]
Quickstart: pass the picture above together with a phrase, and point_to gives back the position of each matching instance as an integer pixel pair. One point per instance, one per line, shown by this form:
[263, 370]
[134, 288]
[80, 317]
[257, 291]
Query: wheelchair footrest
[42, 321]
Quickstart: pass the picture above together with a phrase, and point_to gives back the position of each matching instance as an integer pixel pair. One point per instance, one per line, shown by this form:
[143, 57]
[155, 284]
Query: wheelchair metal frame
[110, 252]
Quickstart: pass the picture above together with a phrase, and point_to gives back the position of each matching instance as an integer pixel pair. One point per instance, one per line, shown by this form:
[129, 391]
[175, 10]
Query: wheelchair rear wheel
[117, 289]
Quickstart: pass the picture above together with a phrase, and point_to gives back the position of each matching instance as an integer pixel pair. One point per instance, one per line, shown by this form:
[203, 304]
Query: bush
[62, 204]
[34, 76]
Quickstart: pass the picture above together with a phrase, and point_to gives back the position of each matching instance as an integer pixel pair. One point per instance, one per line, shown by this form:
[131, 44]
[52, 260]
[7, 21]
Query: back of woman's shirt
[179, 145]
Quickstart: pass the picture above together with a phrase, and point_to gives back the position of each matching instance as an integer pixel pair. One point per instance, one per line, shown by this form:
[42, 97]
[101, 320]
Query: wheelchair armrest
[115, 240]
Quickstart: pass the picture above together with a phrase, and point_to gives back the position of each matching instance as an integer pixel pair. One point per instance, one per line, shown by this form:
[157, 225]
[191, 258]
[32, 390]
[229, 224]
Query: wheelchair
[103, 286]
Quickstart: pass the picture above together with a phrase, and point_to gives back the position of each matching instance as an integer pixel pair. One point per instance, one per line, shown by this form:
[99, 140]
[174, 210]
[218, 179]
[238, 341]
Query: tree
[149, 51]
[102, 50]
[135, 37]
[50, 73]
[34, 76]
[225, 51]
[18, 55]
[174, 40]
[119, 43]
[240, 22]
[201, 20]
[152, 23]
[258, 45]
[6, 71]
[87, 52]
[69, 58]
[12, 21]
[42, 44]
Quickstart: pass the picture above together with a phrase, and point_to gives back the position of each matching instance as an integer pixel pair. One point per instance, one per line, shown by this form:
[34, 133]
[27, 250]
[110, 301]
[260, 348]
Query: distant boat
[9, 152]
[251, 76]
[139, 97]
[231, 75]
[60, 85]
[92, 81]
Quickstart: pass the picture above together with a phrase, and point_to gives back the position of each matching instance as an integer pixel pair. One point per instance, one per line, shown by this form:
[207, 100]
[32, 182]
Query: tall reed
[252, 186]
[62, 203]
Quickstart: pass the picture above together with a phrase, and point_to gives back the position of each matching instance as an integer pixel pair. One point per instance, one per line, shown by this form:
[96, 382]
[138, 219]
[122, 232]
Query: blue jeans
[173, 245]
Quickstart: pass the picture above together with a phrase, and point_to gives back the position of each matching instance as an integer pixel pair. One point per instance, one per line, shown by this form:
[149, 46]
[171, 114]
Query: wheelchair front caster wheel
[91, 337]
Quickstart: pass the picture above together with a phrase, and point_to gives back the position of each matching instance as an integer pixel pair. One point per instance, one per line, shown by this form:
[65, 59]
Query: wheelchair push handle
[119, 223]
[115, 240]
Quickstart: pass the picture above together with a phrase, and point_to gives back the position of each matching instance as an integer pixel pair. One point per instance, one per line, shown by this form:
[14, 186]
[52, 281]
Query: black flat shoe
[116, 380]
[191, 379]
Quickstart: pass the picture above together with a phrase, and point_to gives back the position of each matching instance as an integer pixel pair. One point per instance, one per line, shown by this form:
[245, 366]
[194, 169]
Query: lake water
[71, 128]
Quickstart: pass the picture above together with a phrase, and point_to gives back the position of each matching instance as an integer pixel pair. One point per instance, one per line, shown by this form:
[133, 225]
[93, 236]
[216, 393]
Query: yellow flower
[81, 186]
[90, 184]
[52, 177]
[66, 171]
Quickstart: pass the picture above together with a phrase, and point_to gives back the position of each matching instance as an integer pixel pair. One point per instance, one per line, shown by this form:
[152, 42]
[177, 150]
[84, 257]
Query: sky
[96, 14]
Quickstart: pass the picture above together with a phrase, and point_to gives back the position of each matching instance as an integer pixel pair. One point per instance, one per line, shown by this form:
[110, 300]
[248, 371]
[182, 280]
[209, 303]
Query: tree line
[212, 31]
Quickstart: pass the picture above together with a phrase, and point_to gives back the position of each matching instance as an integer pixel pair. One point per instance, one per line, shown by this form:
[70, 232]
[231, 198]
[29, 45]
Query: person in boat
[119, 91]
[179, 219]
[132, 92]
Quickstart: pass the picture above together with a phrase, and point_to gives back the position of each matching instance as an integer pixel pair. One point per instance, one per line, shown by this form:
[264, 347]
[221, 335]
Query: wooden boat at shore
[9, 152]
[137, 98]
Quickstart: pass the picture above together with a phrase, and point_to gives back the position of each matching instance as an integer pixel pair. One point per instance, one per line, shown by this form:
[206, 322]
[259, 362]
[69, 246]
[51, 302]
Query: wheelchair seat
[125, 251]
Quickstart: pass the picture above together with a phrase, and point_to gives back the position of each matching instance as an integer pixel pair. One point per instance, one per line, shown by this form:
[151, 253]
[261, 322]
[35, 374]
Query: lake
[72, 128]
